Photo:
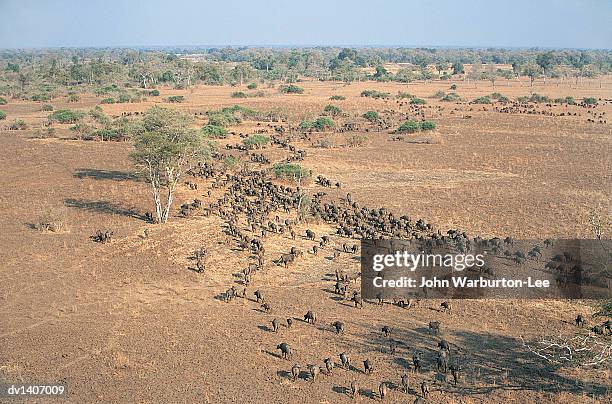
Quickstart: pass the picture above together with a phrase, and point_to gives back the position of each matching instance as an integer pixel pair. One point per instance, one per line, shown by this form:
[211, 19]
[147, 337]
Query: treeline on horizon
[46, 73]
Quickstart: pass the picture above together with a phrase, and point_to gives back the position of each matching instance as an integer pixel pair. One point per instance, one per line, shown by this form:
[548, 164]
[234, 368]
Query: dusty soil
[127, 321]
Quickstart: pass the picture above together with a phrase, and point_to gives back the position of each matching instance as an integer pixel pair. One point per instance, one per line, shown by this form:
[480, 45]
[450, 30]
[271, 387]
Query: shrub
[18, 124]
[256, 141]
[306, 125]
[427, 125]
[371, 116]
[482, 100]
[323, 123]
[408, 127]
[66, 116]
[332, 110]
[231, 161]
[291, 89]
[40, 97]
[337, 98]
[222, 119]
[154, 93]
[108, 101]
[567, 100]
[124, 97]
[374, 94]
[175, 98]
[214, 131]
[73, 98]
[500, 97]
[453, 87]
[258, 94]
[418, 101]
[252, 86]
[289, 171]
[357, 140]
[46, 107]
[439, 94]
[538, 98]
[589, 100]
[401, 95]
[2, 115]
[450, 97]
[238, 94]
[3, 101]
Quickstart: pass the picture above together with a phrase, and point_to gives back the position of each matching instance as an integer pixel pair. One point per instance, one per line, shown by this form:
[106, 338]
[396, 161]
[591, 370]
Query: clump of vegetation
[108, 100]
[288, 171]
[410, 126]
[291, 89]
[2, 115]
[567, 100]
[3, 101]
[231, 161]
[357, 140]
[46, 107]
[500, 97]
[175, 98]
[331, 110]
[418, 101]
[223, 119]
[402, 95]
[41, 97]
[427, 125]
[66, 116]
[52, 219]
[256, 141]
[451, 97]
[73, 98]
[18, 124]
[371, 116]
[214, 131]
[589, 100]
[320, 124]
[154, 93]
[252, 86]
[239, 94]
[337, 98]
[374, 94]
[439, 94]
[482, 100]
[533, 98]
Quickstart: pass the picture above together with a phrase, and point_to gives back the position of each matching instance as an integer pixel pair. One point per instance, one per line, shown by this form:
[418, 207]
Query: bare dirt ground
[127, 321]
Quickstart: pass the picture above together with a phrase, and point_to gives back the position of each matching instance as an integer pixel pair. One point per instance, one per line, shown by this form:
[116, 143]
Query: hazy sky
[507, 23]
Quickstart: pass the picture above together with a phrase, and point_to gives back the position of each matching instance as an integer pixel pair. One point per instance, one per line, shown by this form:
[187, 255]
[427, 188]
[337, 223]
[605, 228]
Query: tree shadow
[103, 207]
[112, 175]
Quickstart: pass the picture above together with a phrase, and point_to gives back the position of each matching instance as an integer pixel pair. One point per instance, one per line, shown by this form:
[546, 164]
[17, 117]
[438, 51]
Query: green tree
[165, 146]
[458, 68]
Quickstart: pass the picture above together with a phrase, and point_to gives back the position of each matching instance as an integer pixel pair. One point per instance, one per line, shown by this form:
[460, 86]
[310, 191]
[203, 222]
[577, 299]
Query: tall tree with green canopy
[165, 146]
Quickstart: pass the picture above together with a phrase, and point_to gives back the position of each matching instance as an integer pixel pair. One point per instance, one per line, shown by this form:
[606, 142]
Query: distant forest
[43, 74]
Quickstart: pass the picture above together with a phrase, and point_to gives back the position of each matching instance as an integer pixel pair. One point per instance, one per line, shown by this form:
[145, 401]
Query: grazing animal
[354, 388]
[424, 389]
[314, 372]
[442, 362]
[295, 372]
[434, 326]
[259, 296]
[289, 322]
[310, 317]
[446, 306]
[338, 326]
[444, 345]
[405, 383]
[579, 320]
[382, 390]
[386, 330]
[266, 307]
[310, 235]
[285, 350]
[367, 366]
[345, 360]
[455, 369]
[329, 365]
[416, 361]
[357, 300]
[275, 325]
